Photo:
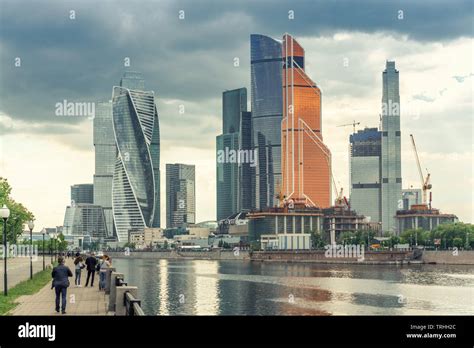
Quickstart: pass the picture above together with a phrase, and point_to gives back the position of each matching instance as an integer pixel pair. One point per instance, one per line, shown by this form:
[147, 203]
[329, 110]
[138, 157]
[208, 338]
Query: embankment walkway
[81, 300]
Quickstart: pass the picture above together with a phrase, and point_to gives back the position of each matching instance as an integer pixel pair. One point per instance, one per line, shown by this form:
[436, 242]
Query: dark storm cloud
[190, 59]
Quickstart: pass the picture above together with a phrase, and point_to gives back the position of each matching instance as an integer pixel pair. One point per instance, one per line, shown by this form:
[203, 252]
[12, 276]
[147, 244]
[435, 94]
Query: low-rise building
[285, 241]
[340, 219]
[137, 238]
[145, 238]
[175, 231]
[186, 241]
[226, 240]
[235, 224]
[296, 224]
[211, 225]
[284, 221]
[202, 232]
[421, 216]
[152, 234]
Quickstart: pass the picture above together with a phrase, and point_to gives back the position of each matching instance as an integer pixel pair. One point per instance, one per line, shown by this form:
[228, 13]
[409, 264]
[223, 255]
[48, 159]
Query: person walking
[104, 264]
[60, 276]
[91, 263]
[79, 265]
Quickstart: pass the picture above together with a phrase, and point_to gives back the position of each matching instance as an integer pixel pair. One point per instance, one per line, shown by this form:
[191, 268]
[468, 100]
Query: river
[200, 287]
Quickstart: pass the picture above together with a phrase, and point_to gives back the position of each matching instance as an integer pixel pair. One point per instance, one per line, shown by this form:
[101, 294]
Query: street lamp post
[4, 214]
[31, 225]
[43, 231]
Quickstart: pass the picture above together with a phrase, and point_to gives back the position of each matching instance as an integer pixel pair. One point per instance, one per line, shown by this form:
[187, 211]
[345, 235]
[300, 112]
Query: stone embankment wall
[320, 256]
[183, 255]
[449, 257]
[315, 256]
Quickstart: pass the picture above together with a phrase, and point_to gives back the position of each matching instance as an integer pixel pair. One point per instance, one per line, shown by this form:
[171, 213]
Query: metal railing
[120, 282]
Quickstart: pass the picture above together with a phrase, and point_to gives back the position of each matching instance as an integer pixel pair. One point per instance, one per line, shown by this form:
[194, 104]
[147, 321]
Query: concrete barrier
[113, 289]
[108, 274]
[120, 307]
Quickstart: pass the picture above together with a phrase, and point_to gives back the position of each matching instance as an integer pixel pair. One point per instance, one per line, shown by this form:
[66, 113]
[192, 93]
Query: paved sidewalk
[18, 269]
[81, 301]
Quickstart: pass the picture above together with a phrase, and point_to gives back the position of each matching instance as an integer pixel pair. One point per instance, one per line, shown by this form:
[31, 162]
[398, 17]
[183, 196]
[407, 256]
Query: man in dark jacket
[60, 276]
[91, 263]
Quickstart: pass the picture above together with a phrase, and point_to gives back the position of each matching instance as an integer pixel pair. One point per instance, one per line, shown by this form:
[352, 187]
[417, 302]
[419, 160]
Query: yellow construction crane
[340, 200]
[425, 182]
[353, 124]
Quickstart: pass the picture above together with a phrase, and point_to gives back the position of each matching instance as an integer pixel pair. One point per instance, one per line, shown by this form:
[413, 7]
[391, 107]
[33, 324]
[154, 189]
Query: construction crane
[353, 124]
[425, 182]
[280, 196]
[341, 200]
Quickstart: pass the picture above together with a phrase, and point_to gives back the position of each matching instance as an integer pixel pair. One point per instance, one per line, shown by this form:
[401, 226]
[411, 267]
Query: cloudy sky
[49, 54]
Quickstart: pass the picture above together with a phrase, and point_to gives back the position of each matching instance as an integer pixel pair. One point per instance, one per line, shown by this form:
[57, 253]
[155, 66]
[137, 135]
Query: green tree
[412, 236]
[348, 238]
[457, 242]
[19, 215]
[454, 235]
[61, 243]
[365, 236]
[129, 245]
[317, 241]
[254, 245]
[394, 240]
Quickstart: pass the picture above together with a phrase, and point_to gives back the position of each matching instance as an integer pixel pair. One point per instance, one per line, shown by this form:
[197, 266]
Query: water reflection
[206, 289]
[202, 287]
[163, 285]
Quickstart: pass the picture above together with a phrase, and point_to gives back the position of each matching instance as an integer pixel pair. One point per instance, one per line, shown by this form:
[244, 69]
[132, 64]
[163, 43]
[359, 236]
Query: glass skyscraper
[365, 166]
[133, 80]
[85, 219]
[306, 160]
[105, 156]
[135, 185]
[391, 194]
[245, 169]
[82, 193]
[180, 195]
[233, 177]
[266, 102]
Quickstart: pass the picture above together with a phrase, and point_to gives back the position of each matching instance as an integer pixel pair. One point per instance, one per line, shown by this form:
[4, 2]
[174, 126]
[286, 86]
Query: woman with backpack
[79, 265]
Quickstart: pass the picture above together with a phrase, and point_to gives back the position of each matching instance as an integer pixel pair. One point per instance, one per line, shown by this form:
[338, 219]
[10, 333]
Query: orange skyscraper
[306, 161]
